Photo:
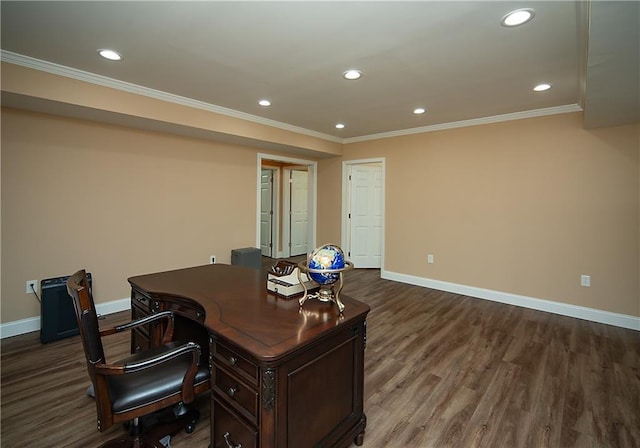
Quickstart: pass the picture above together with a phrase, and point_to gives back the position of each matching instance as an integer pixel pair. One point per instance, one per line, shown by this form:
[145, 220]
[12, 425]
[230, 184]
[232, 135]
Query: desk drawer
[188, 309]
[237, 393]
[139, 313]
[141, 301]
[228, 430]
[235, 363]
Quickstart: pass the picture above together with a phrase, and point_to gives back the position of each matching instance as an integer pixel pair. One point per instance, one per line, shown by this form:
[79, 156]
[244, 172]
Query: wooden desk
[281, 376]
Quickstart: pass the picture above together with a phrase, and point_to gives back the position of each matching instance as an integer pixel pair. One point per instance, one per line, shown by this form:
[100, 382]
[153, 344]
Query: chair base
[156, 427]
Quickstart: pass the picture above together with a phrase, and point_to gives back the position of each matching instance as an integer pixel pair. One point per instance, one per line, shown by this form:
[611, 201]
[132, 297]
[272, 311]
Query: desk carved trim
[268, 389]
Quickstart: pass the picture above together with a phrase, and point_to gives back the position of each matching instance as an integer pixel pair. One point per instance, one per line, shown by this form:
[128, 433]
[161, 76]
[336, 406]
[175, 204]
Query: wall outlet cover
[31, 283]
[585, 280]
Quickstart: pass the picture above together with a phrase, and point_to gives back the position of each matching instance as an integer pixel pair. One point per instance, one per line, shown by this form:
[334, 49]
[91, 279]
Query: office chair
[143, 384]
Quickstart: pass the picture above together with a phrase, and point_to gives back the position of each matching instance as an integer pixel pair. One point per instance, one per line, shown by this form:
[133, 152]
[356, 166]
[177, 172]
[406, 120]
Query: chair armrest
[168, 334]
[164, 357]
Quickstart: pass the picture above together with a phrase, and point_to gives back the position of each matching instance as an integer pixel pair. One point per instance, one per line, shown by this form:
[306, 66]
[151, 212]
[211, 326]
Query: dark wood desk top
[236, 306]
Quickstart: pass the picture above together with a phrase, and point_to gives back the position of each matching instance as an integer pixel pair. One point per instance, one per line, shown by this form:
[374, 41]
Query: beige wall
[116, 201]
[523, 207]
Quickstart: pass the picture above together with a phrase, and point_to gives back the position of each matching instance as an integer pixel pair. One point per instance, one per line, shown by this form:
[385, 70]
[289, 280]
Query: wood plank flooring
[441, 370]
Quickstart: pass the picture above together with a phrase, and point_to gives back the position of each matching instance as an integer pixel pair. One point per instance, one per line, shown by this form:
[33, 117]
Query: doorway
[293, 205]
[363, 192]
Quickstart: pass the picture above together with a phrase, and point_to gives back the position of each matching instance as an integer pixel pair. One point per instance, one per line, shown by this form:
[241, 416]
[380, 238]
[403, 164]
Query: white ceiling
[453, 58]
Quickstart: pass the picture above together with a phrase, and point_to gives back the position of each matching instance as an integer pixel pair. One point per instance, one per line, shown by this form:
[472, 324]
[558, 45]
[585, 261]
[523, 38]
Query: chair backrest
[79, 290]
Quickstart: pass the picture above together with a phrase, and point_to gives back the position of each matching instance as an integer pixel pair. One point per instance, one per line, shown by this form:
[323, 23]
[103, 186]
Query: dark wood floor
[442, 370]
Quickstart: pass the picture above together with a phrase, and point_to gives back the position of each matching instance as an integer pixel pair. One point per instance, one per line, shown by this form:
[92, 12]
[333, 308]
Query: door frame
[312, 168]
[346, 165]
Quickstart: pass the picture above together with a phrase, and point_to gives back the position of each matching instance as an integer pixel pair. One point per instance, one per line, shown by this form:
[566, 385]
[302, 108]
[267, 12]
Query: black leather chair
[146, 383]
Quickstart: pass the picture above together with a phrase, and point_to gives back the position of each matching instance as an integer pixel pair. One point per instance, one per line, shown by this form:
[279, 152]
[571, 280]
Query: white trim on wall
[100, 80]
[564, 309]
[30, 324]
[80, 75]
[568, 108]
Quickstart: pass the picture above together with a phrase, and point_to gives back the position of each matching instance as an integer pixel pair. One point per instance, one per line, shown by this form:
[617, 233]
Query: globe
[326, 257]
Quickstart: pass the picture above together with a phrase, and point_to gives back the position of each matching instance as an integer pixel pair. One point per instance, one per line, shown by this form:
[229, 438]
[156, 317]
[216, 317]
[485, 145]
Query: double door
[284, 211]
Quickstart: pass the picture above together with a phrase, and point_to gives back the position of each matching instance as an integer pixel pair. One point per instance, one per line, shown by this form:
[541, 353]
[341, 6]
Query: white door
[299, 219]
[365, 216]
[266, 213]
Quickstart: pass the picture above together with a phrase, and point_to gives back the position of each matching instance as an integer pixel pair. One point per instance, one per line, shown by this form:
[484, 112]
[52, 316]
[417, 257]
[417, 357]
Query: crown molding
[473, 122]
[104, 81]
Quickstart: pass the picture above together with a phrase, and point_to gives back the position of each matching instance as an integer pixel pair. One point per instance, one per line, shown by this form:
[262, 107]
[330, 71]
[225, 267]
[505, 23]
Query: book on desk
[283, 280]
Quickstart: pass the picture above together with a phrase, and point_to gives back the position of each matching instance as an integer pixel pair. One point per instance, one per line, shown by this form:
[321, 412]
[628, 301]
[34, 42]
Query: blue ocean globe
[326, 257]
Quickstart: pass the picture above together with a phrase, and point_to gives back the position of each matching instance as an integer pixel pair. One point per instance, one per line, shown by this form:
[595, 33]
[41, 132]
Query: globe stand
[328, 292]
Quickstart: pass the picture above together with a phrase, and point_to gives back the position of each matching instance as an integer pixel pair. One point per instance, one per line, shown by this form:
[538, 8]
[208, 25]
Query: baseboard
[564, 309]
[30, 324]
[114, 306]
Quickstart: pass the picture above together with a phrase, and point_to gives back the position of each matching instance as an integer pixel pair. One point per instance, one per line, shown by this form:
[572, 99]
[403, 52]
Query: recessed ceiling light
[112, 55]
[518, 17]
[542, 87]
[264, 103]
[352, 74]
[419, 110]
[339, 126]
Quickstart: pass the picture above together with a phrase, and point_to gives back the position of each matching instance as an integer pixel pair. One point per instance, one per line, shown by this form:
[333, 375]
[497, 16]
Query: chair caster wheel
[190, 427]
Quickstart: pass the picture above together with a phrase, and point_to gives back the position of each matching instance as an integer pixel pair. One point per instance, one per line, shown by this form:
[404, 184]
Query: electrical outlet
[585, 280]
[31, 283]
[430, 259]
[212, 259]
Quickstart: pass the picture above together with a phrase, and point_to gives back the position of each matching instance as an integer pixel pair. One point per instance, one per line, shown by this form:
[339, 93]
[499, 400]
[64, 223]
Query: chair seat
[133, 390]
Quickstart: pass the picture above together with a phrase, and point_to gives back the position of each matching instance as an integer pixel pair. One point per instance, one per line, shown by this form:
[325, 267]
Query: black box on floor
[57, 316]
[247, 256]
